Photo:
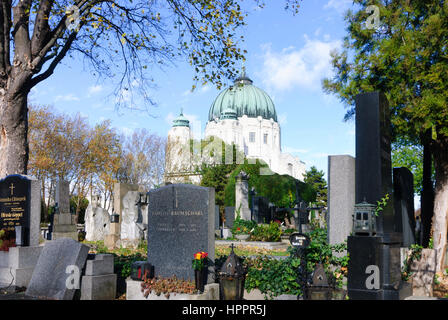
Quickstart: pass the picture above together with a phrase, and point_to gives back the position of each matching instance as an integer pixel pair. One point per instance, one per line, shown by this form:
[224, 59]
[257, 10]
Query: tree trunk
[440, 223]
[427, 196]
[13, 133]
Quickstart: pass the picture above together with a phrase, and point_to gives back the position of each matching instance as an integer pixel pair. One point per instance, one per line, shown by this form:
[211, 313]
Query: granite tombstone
[230, 217]
[378, 256]
[217, 218]
[341, 197]
[19, 211]
[404, 205]
[261, 210]
[180, 223]
[58, 270]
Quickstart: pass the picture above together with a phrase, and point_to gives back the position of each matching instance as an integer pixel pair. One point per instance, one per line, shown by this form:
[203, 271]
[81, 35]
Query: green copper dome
[181, 121]
[229, 114]
[245, 99]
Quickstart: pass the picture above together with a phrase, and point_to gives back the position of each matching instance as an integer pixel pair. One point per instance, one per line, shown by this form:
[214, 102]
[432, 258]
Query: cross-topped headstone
[19, 211]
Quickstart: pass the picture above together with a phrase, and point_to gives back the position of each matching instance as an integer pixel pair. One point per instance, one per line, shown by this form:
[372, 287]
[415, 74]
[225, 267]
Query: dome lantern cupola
[181, 121]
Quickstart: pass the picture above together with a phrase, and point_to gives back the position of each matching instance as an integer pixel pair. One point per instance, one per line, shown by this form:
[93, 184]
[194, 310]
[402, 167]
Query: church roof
[245, 99]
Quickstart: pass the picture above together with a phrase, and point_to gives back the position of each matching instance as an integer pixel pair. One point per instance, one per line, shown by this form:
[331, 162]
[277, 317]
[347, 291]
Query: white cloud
[67, 97]
[304, 67]
[94, 89]
[340, 6]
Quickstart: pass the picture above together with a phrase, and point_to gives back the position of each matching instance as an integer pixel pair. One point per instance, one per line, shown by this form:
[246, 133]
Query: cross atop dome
[243, 78]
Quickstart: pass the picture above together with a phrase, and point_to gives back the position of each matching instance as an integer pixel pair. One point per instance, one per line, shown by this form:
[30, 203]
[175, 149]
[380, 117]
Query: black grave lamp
[232, 277]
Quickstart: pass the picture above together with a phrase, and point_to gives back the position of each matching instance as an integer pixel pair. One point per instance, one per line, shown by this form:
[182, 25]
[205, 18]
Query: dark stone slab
[49, 279]
[404, 204]
[373, 155]
[373, 182]
[262, 210]
[230, 217]
[19, 207]
[180, 223]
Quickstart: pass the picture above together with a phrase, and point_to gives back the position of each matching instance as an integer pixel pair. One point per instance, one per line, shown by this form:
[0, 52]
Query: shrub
[273, 277]
[241, 226]
[267, 232]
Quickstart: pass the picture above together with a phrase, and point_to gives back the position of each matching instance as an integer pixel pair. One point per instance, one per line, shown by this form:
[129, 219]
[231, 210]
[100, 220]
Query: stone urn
[242, 236]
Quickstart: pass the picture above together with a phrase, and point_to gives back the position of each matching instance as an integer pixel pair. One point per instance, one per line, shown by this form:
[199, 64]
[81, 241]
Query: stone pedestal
[17, 265]
[134, 292]
[64, 226]
[111, 239]
[375, 259]
[99, 281]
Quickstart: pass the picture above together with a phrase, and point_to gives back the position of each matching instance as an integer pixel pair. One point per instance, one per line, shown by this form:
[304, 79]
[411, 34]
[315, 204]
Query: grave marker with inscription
[180, 223]
[19, 211]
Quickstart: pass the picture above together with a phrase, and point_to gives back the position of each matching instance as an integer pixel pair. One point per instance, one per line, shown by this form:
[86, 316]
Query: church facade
[243, 115]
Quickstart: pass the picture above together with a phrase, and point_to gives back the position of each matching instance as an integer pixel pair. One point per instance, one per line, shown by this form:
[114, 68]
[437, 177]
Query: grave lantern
[319, 288]
[114, 218]
[231, 278]
[364, 219]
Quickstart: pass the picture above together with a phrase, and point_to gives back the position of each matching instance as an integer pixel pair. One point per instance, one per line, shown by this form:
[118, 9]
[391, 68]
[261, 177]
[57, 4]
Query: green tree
[316, 180]
[409, 155]
[406, 58]
[279, 189]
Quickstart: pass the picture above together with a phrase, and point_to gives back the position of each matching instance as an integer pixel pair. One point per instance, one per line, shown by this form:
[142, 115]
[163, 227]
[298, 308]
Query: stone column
[242, 196]
[64, 224]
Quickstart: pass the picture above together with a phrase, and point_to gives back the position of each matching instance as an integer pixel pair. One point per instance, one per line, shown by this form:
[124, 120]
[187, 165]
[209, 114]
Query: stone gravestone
[230, 217]
[130, 231]
[242, 196]
[64, 224]
[404, 205]
[120, 190]
[180, 223]
[97, 221]
[20, 207]
[262, 210]
[58, 270]
[341, 197]
[217, 218]
[374, 265]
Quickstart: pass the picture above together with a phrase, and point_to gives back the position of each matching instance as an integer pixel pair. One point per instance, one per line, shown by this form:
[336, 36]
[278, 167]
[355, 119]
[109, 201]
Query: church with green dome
[244, 115]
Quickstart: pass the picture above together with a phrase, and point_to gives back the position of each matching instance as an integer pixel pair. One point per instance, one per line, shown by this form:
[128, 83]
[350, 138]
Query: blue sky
[287, 57]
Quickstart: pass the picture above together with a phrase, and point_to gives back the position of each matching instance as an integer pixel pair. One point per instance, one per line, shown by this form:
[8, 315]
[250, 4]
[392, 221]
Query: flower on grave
[200, 260]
